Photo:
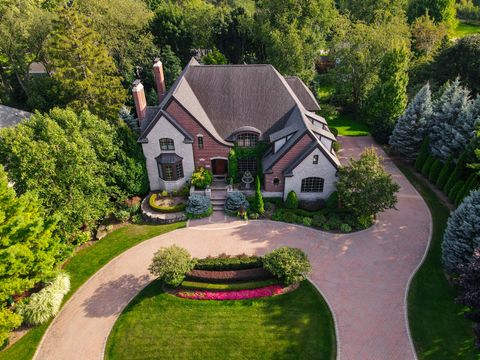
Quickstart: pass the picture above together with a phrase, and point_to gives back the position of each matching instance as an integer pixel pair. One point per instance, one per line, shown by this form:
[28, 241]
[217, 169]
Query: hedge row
[229, 263]
[165, 209]
[228, 287]
[220, 277]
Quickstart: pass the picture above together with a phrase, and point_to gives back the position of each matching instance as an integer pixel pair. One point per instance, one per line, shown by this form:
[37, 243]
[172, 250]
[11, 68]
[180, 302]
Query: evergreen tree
[85, 72]
[407, 137]
[446, 131]
[388, 99]
[258, 204]
[468, 282]
[462, 235]
[422, 155]
[445, 173]
[442, 11]
[434, 172]
[28, 250]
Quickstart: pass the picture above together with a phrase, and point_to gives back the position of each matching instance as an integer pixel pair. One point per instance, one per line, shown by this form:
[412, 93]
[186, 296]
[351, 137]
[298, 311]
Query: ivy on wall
[238, 153]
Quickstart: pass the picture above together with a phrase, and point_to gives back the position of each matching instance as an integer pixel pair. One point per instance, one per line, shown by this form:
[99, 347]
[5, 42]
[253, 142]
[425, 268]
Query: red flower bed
[232, 295]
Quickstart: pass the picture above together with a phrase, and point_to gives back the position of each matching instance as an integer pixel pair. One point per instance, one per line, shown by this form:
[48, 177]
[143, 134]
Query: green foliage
[332, 201]
[198, 206]
[427, 37]
[452, 194]
[165, 209]
[78, 164]
[457, 174]
[171, 264]
[365, 188]
[214, 57]
[442, 11]
[45, 304]
[409, 132]
[8, 321]
[471, 184]
[202, 178]
[461, 236]
[235, 202]
[427, 165]
[292, 200]
[435, 171]
[28, 250]
[258, 204]
[345, 228]
[232, 286]
[233, 165]
[388, 99]
[422, 155]
[122, 215]
[291, 265]
[85, 72]
[365, 10]
[225, 262]
[445, 173]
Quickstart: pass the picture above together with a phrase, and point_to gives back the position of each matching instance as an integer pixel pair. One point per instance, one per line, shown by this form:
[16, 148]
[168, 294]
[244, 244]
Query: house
[10, 116]
[211, 109]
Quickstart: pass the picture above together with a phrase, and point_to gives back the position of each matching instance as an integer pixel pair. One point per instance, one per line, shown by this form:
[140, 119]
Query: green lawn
[465, 28]
[346, 126]
[157, 325]
[83, 265]
[439, 330]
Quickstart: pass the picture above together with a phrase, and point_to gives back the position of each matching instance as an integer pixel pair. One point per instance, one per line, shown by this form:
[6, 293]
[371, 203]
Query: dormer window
[166, 144]
[247, 140]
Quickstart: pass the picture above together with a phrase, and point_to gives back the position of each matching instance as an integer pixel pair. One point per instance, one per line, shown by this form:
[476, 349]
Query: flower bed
[192, 285]
[226, 262]
[270, 290]
[229, 276]
[166, 204]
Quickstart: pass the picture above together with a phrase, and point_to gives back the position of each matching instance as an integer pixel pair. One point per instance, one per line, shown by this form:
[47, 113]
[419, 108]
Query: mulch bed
[230, 276]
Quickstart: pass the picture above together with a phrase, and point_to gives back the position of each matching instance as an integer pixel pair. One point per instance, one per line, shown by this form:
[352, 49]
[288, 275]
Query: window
[200, 141]
[167, 171]
[166, 144]
[315, 159]
[247, 140]
[249, 164]
[312, 184]
[276, 181]
[179, 170]
[170, 167]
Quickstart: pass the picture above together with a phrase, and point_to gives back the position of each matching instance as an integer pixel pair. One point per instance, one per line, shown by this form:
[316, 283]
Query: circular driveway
[363, 276]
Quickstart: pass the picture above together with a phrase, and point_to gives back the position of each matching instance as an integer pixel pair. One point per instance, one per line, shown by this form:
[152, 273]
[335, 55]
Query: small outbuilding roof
[10, 116]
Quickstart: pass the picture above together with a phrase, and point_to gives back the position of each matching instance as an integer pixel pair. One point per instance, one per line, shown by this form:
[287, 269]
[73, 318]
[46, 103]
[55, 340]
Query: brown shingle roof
[303, 93]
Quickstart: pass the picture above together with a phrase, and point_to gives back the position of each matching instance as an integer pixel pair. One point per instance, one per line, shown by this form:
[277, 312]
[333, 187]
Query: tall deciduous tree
[86, 73]
[462, 235]
[427, 37]
[446, 130]
[442, 11]
[365, 9]
[28, 251]
[387, 101]
[409, 132]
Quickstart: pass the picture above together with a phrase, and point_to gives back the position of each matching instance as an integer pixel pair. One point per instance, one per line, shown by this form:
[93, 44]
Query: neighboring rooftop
[10, 116]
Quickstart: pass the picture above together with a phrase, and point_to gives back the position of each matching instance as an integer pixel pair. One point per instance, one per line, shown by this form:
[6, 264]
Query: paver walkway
[363, 276]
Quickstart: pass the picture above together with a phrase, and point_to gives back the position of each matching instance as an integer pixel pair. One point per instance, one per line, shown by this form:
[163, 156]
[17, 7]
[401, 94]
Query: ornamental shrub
[471, 184]
[435, 171]
[202, 178]
[292, 200]
[345, 228]
[422, 155]
[234, 202]
[258, 204]
[318, 220]
[445, 173]
[462, 235]
[457, 173]
[122, 215]
[42, 306]
[427, 165]
[332, 201]
[171, 264]
[306, 221]
[165, 209]
[452, 194]
[290, 217]
[225, 262]
[8, 321]
[198, 206]
[233, 165]
[291, 265]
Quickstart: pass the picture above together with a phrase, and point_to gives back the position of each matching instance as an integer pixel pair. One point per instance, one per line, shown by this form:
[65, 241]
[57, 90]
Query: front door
[219, 167]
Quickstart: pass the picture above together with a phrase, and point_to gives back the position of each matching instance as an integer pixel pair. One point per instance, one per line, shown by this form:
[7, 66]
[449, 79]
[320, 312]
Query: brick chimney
[159, 79]
[139, 99]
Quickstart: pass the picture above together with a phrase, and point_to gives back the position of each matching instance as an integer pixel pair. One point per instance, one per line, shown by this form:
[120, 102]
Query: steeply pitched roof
[10, 116]
[303, 93]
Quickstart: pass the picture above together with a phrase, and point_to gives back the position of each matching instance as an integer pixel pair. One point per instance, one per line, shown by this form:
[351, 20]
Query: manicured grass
[233, 286]
[465, 28]
[324, 92]
[157, 325]
[346, 126]
[83, 265]
[439, 330]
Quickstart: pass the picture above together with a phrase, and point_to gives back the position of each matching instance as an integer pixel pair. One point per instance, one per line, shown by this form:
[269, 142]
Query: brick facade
[211, 147]
[280, 165]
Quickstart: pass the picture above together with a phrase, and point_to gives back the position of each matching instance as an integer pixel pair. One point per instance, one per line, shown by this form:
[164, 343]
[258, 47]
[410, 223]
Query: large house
[211, 109]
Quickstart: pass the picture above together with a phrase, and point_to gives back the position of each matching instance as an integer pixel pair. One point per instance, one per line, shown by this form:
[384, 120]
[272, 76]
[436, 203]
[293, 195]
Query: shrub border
[165, 209]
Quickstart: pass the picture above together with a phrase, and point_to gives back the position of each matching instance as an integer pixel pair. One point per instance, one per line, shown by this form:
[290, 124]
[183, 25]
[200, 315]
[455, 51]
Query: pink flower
[232, 295]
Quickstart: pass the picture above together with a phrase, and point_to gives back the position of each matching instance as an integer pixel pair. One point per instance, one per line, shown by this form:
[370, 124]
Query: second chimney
[159, 79]
[138, 93]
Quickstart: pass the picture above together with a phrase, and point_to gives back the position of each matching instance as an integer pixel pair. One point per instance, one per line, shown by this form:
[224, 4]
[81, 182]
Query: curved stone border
[155, 217]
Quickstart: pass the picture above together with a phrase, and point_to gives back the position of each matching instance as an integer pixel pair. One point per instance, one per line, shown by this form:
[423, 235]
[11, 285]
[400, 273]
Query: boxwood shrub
[291, 265]
[165, 209]
[224, 262]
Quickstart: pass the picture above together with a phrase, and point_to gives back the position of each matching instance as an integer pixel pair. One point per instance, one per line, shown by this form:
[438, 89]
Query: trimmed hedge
[422, 155]
[452, 194]
[229, 263]
[435, 171]
[427, 165]
[292, 200]
[165, 209]
[230, 276]
[444, 173]
[227, 287]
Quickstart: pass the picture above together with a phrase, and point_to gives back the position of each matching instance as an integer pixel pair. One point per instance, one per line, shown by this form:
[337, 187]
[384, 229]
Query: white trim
[219, 158]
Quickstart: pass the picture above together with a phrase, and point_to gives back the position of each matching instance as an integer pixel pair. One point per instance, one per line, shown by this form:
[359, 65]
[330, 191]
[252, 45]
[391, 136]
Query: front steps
[218, 199]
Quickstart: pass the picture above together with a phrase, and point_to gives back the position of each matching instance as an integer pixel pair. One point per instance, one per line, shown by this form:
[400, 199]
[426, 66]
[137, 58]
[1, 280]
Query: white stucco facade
[324, 169]
[164, 129]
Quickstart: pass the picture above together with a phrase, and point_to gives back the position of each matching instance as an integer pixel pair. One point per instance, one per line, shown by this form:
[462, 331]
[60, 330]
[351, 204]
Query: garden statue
[247, 179]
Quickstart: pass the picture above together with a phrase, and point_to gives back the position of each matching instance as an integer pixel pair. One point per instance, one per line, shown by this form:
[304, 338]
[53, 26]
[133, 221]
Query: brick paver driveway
[363, 276]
